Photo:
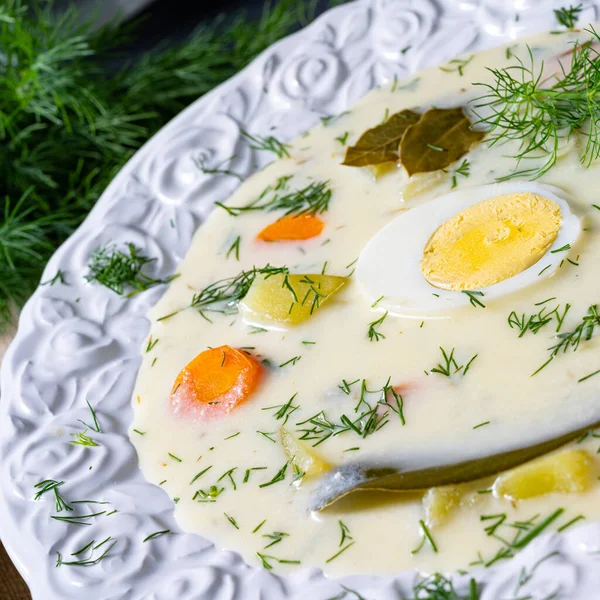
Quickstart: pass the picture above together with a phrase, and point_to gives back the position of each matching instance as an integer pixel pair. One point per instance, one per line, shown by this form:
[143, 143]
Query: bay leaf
[380, 144]
[440, 137]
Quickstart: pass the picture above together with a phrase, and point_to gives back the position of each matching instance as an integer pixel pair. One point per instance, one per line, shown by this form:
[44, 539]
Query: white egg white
[389, 265]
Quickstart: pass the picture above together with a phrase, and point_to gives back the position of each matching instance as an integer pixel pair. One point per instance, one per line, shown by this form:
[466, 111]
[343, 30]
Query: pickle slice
[356, 476]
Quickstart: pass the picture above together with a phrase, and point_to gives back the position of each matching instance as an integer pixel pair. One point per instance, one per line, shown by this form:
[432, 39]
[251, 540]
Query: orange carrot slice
[216, 382]
[302, 227]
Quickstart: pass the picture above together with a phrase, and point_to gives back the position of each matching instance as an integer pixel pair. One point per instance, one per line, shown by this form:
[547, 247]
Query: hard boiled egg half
[493, 240]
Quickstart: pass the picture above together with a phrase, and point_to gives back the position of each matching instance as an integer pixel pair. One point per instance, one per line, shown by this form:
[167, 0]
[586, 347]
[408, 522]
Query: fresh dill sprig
[268, 144]
[539, 113]
[567, 17]
[284, 411]
[370, 415]
[449, 366]
[571, 340]
[71, 117]
[372, 333]
[312, 199]
[537, 321]
[117, 270]
[223, 296]
[524, 533]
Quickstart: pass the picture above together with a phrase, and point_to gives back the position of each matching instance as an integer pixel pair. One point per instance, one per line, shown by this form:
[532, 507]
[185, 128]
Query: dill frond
[70, 119]
[540, 113]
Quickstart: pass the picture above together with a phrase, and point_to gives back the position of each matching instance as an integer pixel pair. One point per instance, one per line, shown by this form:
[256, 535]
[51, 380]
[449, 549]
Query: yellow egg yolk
[490, 241]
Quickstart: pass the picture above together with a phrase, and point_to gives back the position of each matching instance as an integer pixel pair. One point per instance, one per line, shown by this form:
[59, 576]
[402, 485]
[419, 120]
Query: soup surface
[421, 383]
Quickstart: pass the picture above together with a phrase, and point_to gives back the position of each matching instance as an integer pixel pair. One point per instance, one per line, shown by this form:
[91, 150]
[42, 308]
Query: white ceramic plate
[80, 341]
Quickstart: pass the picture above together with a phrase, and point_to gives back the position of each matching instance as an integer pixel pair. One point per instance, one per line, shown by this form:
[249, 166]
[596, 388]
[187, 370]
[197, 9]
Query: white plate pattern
[80, 341]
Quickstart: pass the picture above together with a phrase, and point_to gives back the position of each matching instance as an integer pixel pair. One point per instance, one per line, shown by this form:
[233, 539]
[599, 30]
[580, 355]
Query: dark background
[162, 22]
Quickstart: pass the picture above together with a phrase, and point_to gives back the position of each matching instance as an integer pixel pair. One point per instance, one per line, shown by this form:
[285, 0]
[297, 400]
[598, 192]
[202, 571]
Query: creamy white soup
[460, 322]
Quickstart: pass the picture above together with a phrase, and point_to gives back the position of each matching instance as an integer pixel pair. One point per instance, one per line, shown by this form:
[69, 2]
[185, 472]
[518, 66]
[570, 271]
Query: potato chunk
[439, 502]
[566, 472]
[288, 299]
[422, 183]
[307, 461]
[382, 169]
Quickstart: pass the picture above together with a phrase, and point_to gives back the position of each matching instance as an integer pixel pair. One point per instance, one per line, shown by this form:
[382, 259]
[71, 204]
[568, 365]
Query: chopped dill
[78, 519]
[368, 415]
[235, 248]
[267, 144]
[474, 298]
[117, 270]
[259, 526]
[567, 17]
[248, 471]
[174, 457]
[588, 376]
[267, 435]
[229, 475]
[340, 551]
[276, 537]
[81, 439]
[291, 361]
[311, 200]
[200, 162]
[157, 534]
[90, 560]
[426, 537]
[58, 277]
[198, 475]
[151, 344]
[96, 426]
[463, 170]
[279, 476]
[284, 411]
[449, 366]
[232, 521]
[48, 485]
[223, 296]
[209, 496]
[342, 139]
[457, 65]
[372, 333]
[571, 340]
[533, 323]
[265, 558]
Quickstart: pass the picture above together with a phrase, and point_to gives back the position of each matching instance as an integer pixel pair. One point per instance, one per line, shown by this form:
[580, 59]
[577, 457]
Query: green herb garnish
[117, 270]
